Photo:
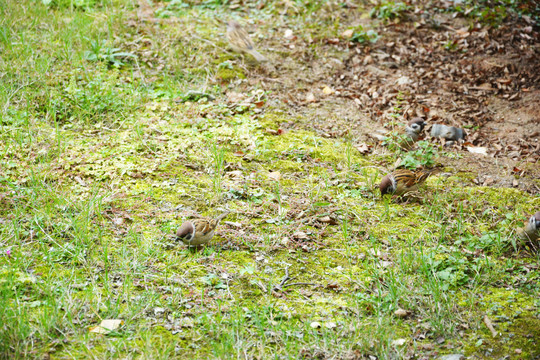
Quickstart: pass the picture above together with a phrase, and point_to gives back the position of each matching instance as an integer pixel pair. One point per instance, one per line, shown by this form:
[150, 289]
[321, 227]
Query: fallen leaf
[300, 235]
[275, 175]
[235, 97]
[330, 325]
[401, 313]
[489, 325]
[347, 33]
[106, 326]
[399, 342]
[404, 80]
[363, 148]
[272, 132]
[233, 224]
[327, 90]
[327, 220]
[310, 98]
[477, 150]
[289, 34]
[463, 32]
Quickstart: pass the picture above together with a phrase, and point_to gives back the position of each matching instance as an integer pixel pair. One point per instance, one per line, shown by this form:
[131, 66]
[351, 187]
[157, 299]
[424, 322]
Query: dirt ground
[483, 80]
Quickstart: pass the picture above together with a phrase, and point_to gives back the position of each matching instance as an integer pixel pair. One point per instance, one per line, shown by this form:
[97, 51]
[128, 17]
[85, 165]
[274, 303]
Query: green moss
[227, 75]
[513, 317]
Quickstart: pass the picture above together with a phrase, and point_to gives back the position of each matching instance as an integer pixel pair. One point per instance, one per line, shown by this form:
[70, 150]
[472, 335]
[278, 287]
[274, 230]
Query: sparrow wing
[422, 175]
[238, 37]
[405, 177]
[204, 226]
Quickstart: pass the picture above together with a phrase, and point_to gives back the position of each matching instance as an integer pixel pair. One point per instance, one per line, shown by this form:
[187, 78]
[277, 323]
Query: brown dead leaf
[327, 220]
[363, 148]
[300, 235]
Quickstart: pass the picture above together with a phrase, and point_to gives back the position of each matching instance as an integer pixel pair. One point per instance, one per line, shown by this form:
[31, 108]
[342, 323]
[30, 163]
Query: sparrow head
[416, 125]
[186, 231]
[387, 185]
[534, 221]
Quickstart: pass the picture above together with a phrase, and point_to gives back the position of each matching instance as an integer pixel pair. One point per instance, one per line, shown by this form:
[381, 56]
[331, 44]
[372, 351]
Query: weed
[423, 156]
[99, 51]
[389, 10]
[364, 37]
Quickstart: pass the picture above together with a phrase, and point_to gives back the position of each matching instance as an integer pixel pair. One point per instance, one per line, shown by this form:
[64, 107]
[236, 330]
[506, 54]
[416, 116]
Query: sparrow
[198, 231]
[414, 128]
[406, 138]
[448, 132]
[531, 231]
[402, 181]
[240, 40]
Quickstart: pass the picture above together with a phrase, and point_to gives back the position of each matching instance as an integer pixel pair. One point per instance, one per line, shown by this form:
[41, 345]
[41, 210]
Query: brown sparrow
[402, 181]
[412, 132]
[531, 231]
[414, 128]
[240, 40]
[198, 231]
[405, 138]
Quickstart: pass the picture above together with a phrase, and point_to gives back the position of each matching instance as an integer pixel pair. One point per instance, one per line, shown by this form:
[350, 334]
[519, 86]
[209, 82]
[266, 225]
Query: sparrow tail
[257, 55]
[422, 175]
[220, 217]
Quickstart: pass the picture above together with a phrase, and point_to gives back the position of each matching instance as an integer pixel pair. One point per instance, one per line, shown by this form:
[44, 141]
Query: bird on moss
[402, 181]
[199, 231]
[241, 42]
[531, 231]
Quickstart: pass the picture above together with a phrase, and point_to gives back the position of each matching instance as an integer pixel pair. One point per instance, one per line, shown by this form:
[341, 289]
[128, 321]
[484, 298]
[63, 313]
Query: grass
[101, 165]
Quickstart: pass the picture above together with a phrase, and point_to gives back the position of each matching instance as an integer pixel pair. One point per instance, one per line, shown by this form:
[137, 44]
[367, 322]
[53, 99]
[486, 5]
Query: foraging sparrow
[414, 128]
[405, 138]
[198, 231]
[531, 231]
[447, 132]
[240, 40]
[402, 181]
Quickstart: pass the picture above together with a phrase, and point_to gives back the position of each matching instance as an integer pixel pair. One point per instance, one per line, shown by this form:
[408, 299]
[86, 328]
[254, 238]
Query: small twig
[171, 279]
[298, 284]
[283, 280]
[489, 325]
[229, 290]
[263, 288]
